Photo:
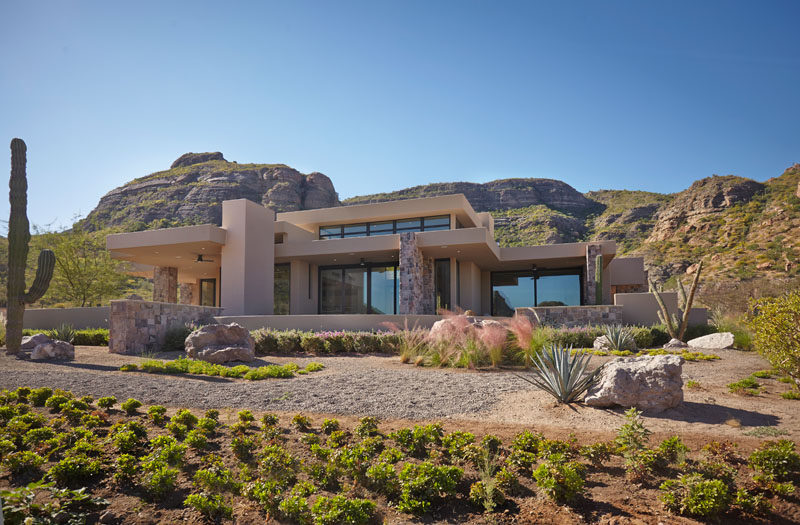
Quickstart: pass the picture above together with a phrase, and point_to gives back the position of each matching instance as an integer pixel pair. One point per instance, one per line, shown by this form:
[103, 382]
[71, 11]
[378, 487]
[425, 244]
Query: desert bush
[313, 344]
[329, 425]
[130, 405]
[301, 423]
[367, 426]
[184, 417]
[126, 468]
[382, 477]
[289, 342]
[23, 462]
[338, 438]
[38, 396]
[243, 447]
[415, 441]
[75, 470]
[561, 480]
[158, 478]
[775, 334]
[269, 420]
[212, 506]
[106, 402]
[196, 439]
[562, 373]
[266, 341]
[215, 477]
[747, 386]
[693, 495]
[598, 453]
[777, 460]
[91, 337]
[340, 509]
[278, 464]
[423, 484]
[456, 442]
[157, 414]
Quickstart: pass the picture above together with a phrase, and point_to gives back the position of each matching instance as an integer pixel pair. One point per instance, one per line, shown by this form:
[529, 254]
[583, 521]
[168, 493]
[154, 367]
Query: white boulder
[53, 350]
[718, 341]
[649, 383]
[675, 343]
[220, 343]
[29, 342]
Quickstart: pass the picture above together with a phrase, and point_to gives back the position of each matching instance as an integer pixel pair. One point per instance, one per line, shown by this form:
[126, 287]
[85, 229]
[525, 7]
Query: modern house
[391, 258]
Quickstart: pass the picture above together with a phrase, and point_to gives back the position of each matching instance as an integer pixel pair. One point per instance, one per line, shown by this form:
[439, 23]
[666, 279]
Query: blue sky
[385, 95]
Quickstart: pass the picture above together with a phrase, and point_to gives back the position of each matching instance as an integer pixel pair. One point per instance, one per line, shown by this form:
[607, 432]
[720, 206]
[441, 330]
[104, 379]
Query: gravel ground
[363, 385]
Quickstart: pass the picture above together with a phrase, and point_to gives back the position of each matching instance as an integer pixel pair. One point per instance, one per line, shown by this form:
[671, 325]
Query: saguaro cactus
[598, 279]
[18, 238]
[677, 324]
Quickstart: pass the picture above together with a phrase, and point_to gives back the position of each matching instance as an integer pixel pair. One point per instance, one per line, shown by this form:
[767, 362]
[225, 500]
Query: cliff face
[192, 191]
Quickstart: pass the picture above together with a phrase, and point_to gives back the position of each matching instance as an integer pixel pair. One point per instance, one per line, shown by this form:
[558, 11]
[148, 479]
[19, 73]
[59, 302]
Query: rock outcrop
[192, 191]
[220, 343]
[650, 383]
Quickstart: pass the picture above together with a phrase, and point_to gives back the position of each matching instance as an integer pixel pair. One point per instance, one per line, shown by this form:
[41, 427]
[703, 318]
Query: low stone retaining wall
[575, 315]
[140, 326]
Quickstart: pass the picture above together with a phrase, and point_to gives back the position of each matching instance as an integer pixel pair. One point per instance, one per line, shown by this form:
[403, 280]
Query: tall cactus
[598, 279]
[677, 324]
[18, 237]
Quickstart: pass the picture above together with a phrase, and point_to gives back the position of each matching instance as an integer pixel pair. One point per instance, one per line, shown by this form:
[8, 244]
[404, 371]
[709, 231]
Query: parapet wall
[574, 315]
[141, 326]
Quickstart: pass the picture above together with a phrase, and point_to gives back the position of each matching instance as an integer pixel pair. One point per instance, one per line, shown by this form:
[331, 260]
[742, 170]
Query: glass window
[383, 288]
[281, 291]
[441, 222]
[381, 228]
[355, 291]
[355, 230]
[409, 225]
[512, 290]
[208, 292]
[558, 290]
[330, 232]
[441, 277]
[330, 291]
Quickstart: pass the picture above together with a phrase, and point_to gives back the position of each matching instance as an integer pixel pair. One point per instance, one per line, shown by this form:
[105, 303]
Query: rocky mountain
[740, 227]
[192, 191]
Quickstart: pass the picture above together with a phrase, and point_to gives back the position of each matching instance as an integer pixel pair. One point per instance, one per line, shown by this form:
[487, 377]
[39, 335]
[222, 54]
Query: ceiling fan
[201, 259]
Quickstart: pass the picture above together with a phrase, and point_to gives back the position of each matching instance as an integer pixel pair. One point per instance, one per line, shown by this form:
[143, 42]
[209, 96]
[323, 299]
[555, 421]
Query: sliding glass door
[512, 290]
[371, 288]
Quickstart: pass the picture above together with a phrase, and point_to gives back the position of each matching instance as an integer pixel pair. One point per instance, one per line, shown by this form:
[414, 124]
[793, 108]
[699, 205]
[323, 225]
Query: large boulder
[649, 383]
[220, 343]
[29, 342]
[458, 326]
[53, 350]
[675, 343]
[719, 340]
[602, 343]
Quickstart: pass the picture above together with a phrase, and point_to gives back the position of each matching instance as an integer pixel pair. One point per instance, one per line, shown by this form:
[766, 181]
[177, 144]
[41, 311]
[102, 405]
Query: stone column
[415, 278]
[589, 284]
[187, 293]
[165, 284]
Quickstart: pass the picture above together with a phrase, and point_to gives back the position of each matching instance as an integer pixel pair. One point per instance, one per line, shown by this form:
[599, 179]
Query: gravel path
[364, 385]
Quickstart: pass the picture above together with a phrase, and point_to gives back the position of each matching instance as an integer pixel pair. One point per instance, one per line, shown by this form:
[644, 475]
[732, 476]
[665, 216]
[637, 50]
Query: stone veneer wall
[140, 326]
[589, 285]
[574, 315]
[165, 284]
[187, 293]
[415, 278]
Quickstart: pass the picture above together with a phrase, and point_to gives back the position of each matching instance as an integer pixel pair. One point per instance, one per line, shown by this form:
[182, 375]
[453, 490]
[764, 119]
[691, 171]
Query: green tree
[85, 274]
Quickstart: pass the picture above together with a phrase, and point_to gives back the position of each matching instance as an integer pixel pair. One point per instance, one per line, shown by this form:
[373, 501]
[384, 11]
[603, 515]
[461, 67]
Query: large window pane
[330, 232]
[281, 290]
[208, 292]
[558, 290]
[381, 228]
[355, 230]
[409, 225]
[511, 290]
[441, 283]
[330, 291]
[355, 291]
[441, 222]
[383, 288]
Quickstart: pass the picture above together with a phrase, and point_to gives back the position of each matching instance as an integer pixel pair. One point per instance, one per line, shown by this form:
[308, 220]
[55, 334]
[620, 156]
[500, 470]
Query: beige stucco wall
[642, 308]
[300, 301]
[471, 287]
[626, 270]
[248, 258]
[79, 318]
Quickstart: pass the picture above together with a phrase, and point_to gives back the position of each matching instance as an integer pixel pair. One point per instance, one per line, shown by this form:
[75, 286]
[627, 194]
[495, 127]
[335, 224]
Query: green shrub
[184, 417]
[91, 337]
[691, 383]
[775, 333]
[692, 495]
[425, 483]
[157, 414]
[597, 453]
[415, 441]
[196, 440]
[756, 504]
[245, 416]
[313, 344]
[207, 425]
[455, 443]
[106, 402]
[75, 470]
[243, 447]
[212, 413]
[486, 494]
[158, 478]
[339, 509]
[562, 481]
[777, 460]
[215, 477]
[126, 441]
[166, 449]
[301, 423]
[313, 366]
[367, 426]
[126, 468]
[329, 425]
[178, 430]
[673, 450]
[269, 420]
[130, 405]
[289, 342]
[266, 342]
[56, 401]
[38, 396]
[382, 477]
[791, 394]
[130, 367]
[295, 508]
[212, 506]
[23, 462]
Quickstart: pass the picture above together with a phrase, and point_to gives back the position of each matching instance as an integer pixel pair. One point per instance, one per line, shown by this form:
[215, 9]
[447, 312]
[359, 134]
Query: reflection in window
[437, 223]
[381, 228]
[558, 290]
[355, 291]
[281, 289]
[208, 292]
[358, 290]
[355, 230]
[417, 224]
[383, 295]
[409, 225]
[512, 290]
[441, 283]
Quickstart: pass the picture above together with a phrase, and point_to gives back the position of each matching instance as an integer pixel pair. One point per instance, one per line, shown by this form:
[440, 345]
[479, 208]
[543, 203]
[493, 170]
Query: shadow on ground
[716, 414]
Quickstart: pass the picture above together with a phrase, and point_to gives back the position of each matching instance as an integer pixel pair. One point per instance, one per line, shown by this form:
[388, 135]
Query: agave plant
[63, 332]
[561, 373]
[619, 337]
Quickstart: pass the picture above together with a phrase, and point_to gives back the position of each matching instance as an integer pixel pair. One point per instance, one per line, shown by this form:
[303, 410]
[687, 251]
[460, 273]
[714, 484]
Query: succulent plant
[619, 337]
[561, 373]
[677, 324]
[18, 237]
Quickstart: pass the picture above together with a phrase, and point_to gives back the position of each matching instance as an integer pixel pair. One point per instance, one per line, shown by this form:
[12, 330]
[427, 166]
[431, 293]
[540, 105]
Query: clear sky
[382, 95]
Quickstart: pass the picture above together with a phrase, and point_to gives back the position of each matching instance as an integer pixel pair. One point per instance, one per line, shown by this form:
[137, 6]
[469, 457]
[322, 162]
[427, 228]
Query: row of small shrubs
[272, 342]
[83, 337]
[191, 366]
